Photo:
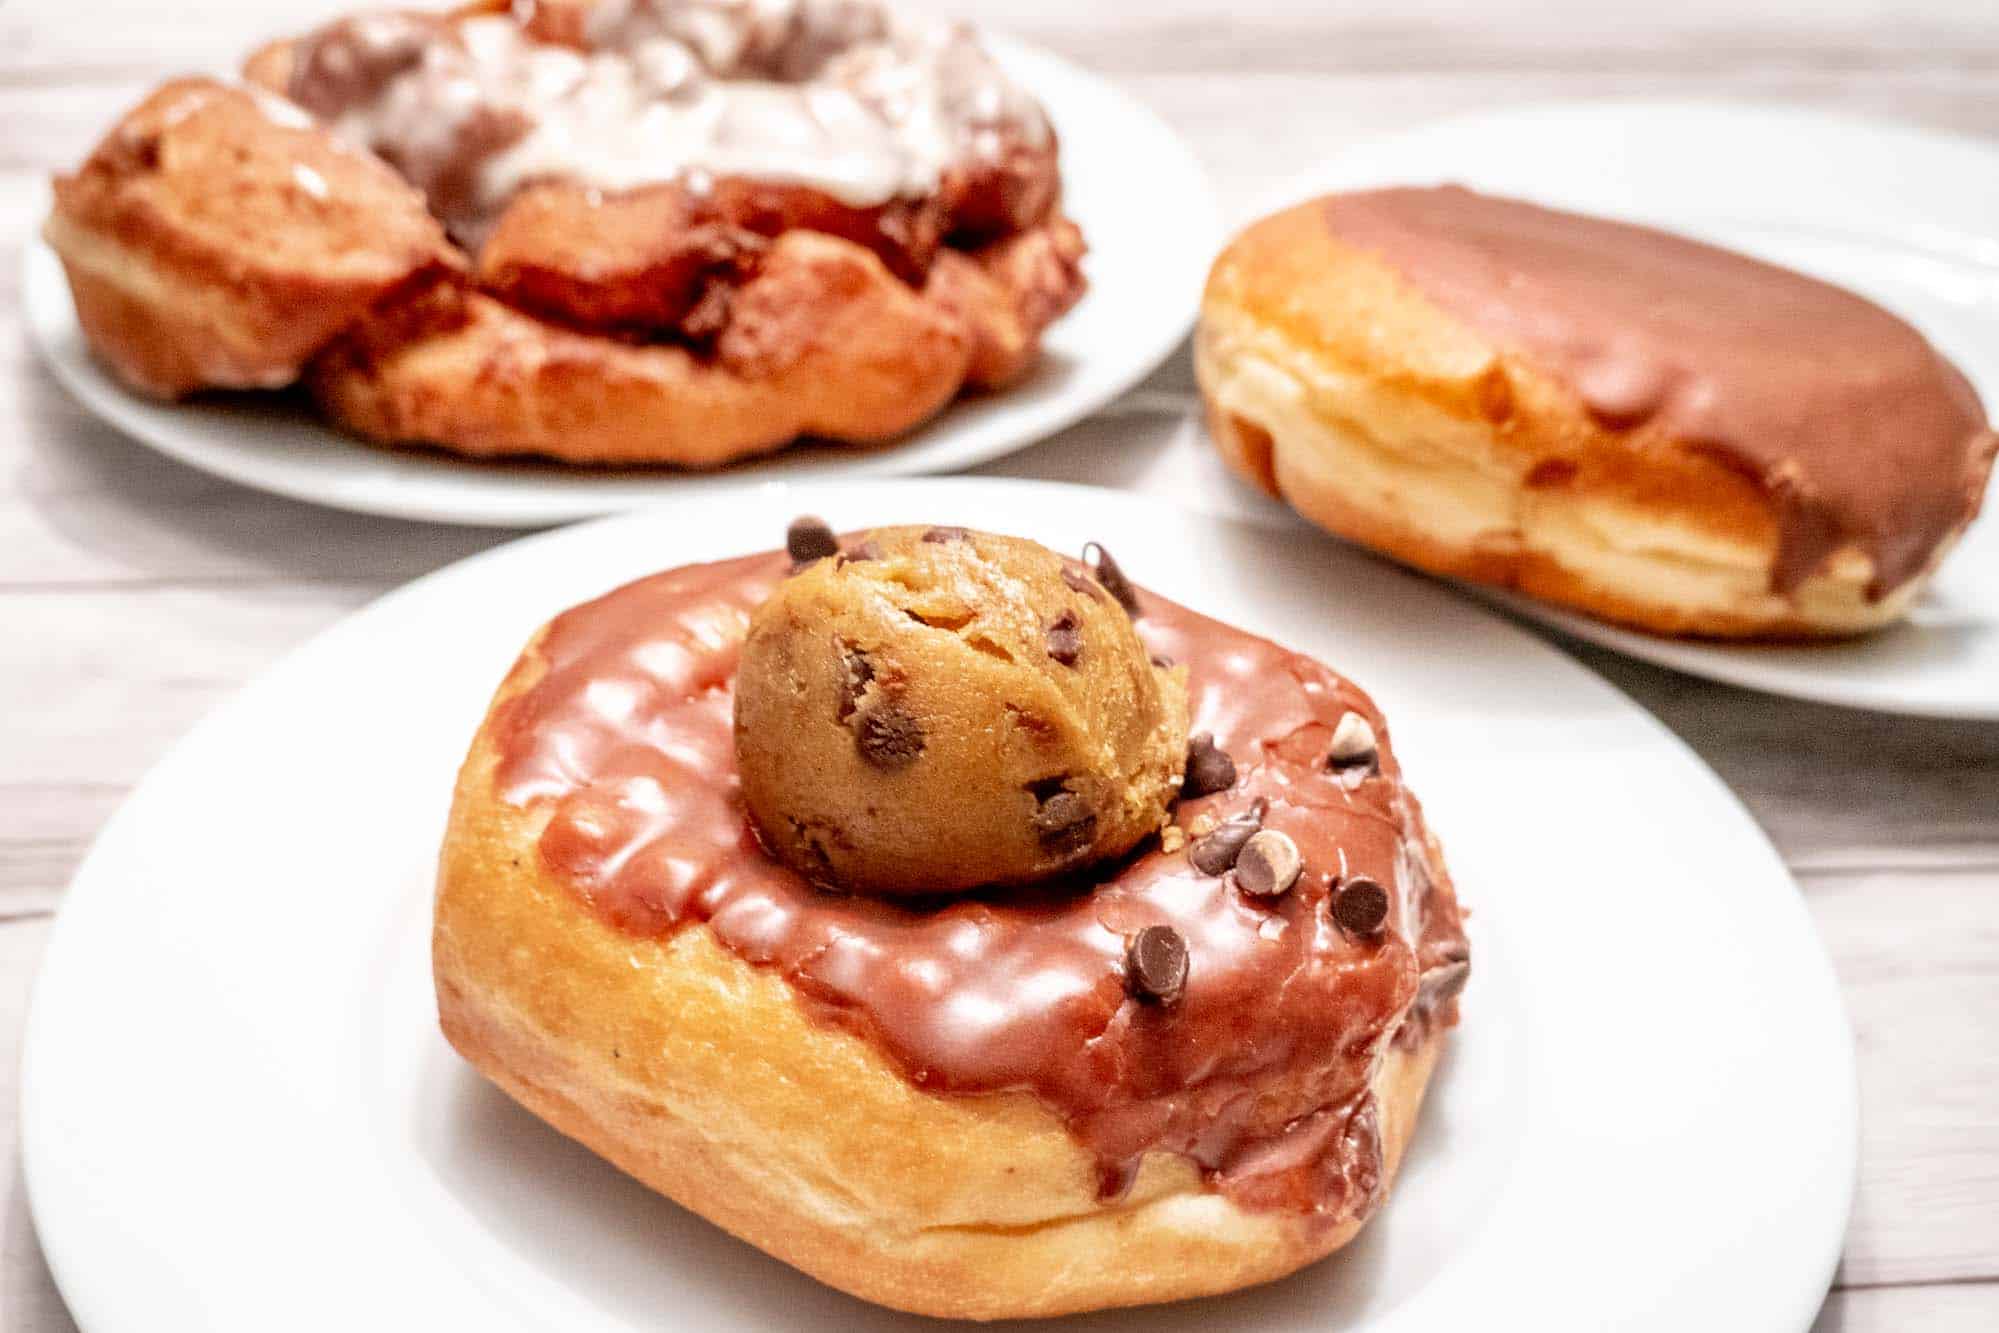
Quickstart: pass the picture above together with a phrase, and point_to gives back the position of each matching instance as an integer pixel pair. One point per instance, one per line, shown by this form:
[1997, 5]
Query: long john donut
[1634, 424]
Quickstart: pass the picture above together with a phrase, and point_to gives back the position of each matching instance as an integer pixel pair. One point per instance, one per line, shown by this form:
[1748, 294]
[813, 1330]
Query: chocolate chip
[1353, 745]
[946, 535]
[1209, 768]
[1155, 965]
[809, 539]
[867, 550]
[1081, 582]
[1268, 865]
[889, 737]
[1112, 578]
[1214, 854]
[1065, 822]
[1361, 906]
[1065, 638]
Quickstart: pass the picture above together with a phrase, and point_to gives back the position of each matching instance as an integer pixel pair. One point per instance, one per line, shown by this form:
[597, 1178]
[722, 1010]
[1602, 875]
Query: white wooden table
[135, 594]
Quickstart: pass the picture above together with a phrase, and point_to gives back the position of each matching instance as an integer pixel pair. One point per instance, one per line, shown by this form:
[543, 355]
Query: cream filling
[1448, 480]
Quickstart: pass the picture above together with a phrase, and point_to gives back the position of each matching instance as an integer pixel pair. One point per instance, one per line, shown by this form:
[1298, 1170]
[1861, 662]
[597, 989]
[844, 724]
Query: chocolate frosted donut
[1180, 1072]
[1644, 427]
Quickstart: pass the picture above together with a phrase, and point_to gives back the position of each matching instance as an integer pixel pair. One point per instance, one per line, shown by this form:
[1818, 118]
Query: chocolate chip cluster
[1260, 863]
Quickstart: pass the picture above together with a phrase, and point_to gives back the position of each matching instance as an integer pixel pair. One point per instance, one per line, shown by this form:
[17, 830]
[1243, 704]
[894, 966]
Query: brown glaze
[1859, 429]
[1258, 1071]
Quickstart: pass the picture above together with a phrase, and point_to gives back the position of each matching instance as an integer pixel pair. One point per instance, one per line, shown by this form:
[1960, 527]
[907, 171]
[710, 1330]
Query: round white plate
[238, 1113]
[1123, 171]
[1906, 219]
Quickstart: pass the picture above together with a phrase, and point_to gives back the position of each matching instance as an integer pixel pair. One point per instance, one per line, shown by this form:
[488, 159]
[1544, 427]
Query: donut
[1629, 423]
[217, 239]
[634, 231]
[1188, 1067]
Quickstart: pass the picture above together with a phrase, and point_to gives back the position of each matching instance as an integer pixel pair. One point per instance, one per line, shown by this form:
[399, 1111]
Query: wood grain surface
[136, 594]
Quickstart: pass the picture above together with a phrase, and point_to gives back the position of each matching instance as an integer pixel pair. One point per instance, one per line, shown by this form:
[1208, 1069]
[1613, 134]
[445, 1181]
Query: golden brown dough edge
[823, 341]
[702, 1076]
[1334, 385]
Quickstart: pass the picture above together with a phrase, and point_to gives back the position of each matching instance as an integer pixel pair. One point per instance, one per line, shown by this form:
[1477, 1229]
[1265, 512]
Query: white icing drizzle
[845, 96]
[277, 110]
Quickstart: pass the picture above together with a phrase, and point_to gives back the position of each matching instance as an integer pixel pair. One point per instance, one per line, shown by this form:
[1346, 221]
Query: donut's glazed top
[845, 96]
[1862, 432]
[1258, 1072]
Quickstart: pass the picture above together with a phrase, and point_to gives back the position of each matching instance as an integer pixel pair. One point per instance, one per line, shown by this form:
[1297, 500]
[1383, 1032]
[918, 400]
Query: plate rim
[1293, 187]
[65, 1251]
[1726, 664]
[526, 503]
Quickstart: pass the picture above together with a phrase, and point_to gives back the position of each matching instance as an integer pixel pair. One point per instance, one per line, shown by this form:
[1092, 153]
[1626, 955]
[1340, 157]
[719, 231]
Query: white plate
[238, 1114]
[1905, 217]
[1143, 203]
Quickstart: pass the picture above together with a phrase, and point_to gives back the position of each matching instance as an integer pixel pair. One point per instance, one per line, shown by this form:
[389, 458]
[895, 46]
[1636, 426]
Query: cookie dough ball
[936, 709]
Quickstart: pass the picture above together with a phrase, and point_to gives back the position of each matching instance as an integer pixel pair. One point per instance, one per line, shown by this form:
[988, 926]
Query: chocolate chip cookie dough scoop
[937, 710]
[1640, 426]
[959, 923]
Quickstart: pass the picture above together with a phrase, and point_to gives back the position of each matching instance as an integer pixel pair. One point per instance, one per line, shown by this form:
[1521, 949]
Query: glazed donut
[1177, 1073]
[680, 231]
[1645, 428]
